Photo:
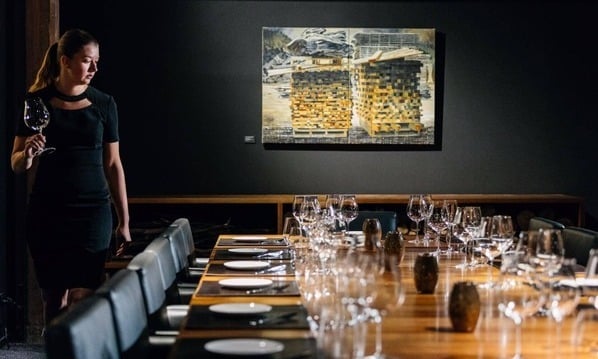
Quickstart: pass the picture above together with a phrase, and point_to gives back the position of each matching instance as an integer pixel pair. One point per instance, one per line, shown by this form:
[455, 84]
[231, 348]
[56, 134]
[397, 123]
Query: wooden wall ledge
[281, 200]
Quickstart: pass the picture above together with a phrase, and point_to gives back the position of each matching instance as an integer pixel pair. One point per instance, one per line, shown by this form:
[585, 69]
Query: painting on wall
[348, 86]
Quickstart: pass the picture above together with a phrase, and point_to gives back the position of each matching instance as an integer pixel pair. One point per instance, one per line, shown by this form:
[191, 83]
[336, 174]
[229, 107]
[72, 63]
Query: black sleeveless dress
[69, 218]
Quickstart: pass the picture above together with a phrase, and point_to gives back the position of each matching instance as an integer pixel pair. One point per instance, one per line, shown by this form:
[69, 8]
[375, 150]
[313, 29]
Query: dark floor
[22, 351]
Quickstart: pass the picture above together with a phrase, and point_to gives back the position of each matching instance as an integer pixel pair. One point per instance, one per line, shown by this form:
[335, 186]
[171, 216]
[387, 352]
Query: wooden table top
[421, 327]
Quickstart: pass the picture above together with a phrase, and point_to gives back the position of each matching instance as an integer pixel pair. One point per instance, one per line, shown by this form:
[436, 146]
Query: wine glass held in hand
[37, 117]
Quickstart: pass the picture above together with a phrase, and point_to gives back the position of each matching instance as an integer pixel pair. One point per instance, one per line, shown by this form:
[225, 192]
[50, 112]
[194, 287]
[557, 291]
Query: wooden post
[41, 30]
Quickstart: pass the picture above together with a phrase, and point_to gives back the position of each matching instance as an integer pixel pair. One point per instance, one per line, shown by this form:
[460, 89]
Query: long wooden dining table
[419, 328]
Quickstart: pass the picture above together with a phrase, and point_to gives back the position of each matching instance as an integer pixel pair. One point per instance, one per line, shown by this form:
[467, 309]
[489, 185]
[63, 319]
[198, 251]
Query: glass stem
[378, 320]
[517, 340]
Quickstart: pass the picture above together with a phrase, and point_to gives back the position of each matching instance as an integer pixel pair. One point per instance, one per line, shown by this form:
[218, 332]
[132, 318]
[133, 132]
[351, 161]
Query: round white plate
[245, 283]
[240, 308]
[251, 239]
[241, 346]
[246, 265]
[248, 251]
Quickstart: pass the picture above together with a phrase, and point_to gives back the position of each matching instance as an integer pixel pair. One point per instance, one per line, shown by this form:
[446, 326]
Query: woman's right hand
[34, 145]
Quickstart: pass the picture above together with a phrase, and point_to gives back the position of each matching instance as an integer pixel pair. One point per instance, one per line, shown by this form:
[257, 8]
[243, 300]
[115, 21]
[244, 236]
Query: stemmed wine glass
[415, 213]
[310, 214]
[437, 222]
[349, 209]
[496, 239]
[521, 295]
[469, 221]
[37, 117]
[563, 295]
[449, 210]
[388, 295]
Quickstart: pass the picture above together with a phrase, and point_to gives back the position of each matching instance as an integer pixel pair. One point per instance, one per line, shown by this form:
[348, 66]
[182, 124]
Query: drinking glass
[549, 251]
[416, 214]
[449, 209]
[563, 295]
[388, 295]
[436, 222]
[469, 219]
[310, 213]
[426, 213]
[37, 117]
[497, 239]
[520, 294]
[349, 209]
[291, 231]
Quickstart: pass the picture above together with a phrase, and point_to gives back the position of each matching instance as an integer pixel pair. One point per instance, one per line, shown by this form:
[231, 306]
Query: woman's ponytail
[48, 71]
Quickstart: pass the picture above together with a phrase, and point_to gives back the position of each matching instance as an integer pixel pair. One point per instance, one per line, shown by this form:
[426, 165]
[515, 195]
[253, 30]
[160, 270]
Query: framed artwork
[349, 88]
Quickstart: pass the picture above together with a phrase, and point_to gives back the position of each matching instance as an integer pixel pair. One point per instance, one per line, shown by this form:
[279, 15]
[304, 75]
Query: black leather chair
[84, 331]
[186, 280]
[161, 247]
[592, 267]
[163, 319]
[123, 291]
[388, 220]
[578, 243]
[537, 223]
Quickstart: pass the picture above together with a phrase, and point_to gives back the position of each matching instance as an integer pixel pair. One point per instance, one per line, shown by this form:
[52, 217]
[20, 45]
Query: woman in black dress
[69, 214]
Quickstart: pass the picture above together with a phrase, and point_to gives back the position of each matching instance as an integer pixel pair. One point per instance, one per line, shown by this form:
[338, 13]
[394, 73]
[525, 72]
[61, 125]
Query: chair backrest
[178, 247]
[592, 267]
[147, 267]
[578, 243]
[536, 223]
[85, 331]
[187, 232]
[388, 220]
[161, 247]
[125, 295]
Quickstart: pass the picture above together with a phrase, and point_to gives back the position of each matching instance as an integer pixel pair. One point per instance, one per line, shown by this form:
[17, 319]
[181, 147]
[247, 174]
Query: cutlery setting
[278, 319]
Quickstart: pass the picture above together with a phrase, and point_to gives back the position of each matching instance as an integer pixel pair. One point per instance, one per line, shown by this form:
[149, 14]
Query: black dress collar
[68, 98]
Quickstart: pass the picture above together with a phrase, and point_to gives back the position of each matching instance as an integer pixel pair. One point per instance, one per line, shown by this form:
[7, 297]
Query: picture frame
[350, 88]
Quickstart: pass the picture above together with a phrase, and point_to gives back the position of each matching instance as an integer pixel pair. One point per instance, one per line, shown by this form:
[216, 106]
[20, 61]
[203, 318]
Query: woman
[69, 215]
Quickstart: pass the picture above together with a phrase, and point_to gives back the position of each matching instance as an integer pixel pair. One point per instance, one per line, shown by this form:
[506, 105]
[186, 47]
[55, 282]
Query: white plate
[245, 283]
[242, 346]
[240, 308]
[250, 239]
[248, 251]
[246, 265]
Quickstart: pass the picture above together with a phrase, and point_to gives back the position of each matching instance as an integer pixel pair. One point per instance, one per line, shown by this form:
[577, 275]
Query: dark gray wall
[518, 107]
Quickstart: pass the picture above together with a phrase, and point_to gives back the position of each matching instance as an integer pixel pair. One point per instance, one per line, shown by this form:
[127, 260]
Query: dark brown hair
[68, 45]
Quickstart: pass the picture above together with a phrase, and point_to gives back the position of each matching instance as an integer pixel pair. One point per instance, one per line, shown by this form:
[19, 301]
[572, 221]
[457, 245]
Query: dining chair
[578, 242]
[592, 267]
[163, 319]
[123, 291]
[388, 220]
[160, 246]
[195, 264]
[187, 281]
[536, 223]
[85, 331]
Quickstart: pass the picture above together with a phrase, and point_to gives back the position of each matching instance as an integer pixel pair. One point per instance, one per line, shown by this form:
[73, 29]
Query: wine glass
[563, 294]
[549, 251]
[37, 117]
[437, 222]
[310, 213]
[349, 209]
[415, 213]
[388, 295]
[521, 295]
[426, 212]
[449, 209]
[496, 239]
[469, 220]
